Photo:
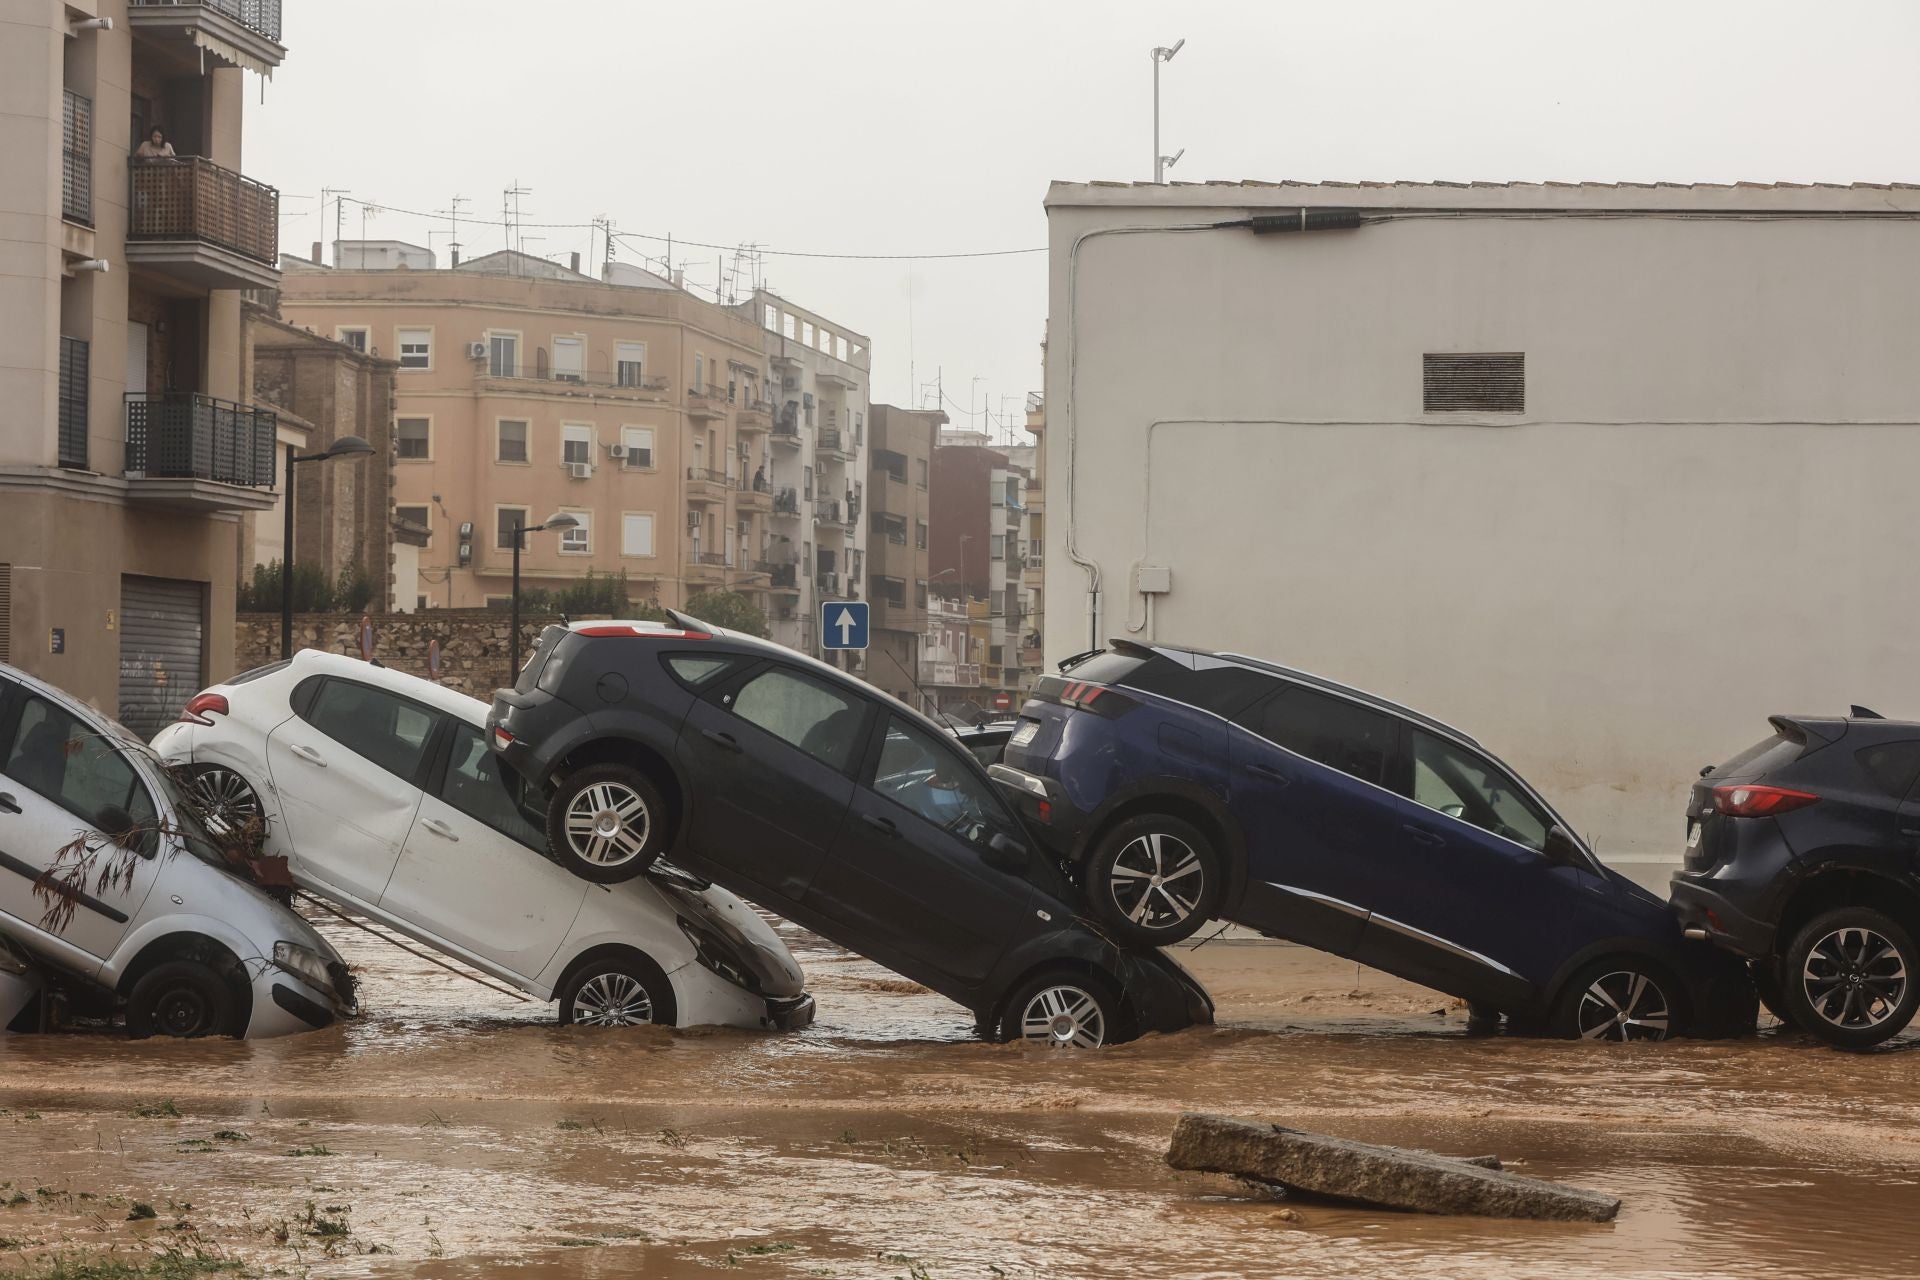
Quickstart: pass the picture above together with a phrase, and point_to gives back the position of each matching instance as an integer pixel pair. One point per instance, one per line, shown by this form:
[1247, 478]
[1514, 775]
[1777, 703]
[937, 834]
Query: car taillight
[501, 738]
[1740, 800]
[202, 706]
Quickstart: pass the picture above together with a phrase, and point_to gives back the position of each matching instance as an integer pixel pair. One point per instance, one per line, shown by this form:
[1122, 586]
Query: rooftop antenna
[333, 193]
[367, 210]
[510, 212]
[452, 214]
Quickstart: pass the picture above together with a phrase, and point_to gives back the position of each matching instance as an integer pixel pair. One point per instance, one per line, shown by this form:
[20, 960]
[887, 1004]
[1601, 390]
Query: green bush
[729, 609]
[312, 593]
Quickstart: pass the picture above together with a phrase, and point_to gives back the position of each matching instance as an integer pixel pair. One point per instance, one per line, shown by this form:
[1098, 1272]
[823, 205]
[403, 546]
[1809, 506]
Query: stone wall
[473, 642]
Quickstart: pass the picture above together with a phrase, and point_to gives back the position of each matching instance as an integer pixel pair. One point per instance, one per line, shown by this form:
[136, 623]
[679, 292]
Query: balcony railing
[828, 440]
[787, 575]
[76, 160]
[184, 435]
[786, 502]
[192, 198]
[539, 372]
[73, 403]
[262, 16]
[827, 509]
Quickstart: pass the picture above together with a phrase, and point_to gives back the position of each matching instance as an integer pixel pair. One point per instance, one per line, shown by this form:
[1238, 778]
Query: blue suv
[1179, 785]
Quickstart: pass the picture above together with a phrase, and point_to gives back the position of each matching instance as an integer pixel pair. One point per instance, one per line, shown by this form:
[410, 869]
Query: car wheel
[1618, 1000]
[620, 991]
[604, 823]
[1848, 977]
[1064, 1009]
[1152, 880]
[228, 799]
[183, 999]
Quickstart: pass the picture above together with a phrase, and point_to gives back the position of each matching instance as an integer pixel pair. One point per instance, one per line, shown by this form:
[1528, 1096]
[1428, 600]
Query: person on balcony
[155, 147]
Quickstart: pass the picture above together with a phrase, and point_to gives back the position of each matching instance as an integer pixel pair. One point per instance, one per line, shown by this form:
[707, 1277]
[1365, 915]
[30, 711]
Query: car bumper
[1701, 906]
[287, 1004]
[790, 1013]
[1043, 803]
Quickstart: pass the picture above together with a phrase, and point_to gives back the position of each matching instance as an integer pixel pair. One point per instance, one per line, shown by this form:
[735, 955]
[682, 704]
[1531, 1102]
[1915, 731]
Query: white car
[186, 945]
[380, 790]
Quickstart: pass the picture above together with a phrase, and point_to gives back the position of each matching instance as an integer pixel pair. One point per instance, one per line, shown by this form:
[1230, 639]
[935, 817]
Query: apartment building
[525, 389]
[1031, 641]
[900, 445]
[128, 446]
[977, 504]
[819, 390]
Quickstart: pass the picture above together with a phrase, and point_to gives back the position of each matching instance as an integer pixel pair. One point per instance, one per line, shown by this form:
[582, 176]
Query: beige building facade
[128, 446]
[900, 453]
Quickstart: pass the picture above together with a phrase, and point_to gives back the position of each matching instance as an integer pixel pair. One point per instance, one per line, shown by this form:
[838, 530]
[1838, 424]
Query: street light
[558, 520]
[1161, 163]
[344, 447]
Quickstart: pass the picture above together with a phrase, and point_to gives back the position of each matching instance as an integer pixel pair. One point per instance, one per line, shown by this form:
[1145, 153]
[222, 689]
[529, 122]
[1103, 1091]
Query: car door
[1467, 901]
[771, 755]
[473, 873]
[1309, 772]
[347, 768]
[908, 869]
[62, 778]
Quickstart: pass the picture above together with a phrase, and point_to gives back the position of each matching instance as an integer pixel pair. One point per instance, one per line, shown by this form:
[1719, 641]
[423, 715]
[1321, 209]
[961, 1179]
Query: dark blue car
[1180, 786]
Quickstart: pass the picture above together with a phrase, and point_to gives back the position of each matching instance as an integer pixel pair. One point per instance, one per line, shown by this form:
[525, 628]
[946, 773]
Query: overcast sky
[894, 127]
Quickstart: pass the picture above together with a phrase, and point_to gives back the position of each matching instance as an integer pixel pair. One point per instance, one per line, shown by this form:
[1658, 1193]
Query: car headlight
[304, 962]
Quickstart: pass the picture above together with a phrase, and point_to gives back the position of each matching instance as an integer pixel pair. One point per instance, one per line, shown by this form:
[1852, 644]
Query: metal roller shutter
[162, 650]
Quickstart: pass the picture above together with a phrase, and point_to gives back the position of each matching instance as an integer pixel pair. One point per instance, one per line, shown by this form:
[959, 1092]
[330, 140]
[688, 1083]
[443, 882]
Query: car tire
[1620, 999]
[227, 798]
[1063, 1009]
[1848, 977]
[606, 823]
[183, 999]
[1139, 880]
[617, 991]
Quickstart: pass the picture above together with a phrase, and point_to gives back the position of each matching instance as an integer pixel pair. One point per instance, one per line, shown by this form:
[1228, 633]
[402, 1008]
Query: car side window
[476, 787]
[1893, 766]
[1469, 787]
[373, 724]
[1340, 734]
[926, 776]
[696, 669]
[58, 756]
[810, 714]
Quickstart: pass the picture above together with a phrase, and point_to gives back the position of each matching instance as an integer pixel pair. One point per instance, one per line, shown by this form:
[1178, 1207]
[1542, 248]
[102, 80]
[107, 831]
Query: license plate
[1693, 835]
[1024, 734]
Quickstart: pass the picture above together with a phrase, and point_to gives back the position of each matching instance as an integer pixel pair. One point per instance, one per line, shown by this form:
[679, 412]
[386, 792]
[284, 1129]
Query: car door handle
[8, 804]
[722, 740]
[1423, 836]
[308, 754]
[441, 829]
[1270, 773]
[880, 824]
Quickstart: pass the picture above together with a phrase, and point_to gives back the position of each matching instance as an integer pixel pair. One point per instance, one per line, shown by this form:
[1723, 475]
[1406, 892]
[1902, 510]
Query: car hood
[724, 922]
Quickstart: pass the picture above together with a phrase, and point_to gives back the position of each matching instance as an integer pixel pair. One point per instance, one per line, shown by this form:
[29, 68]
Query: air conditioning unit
[580, 470]
[791, 382]
[476, 351]
[616, 451]
[693, 521]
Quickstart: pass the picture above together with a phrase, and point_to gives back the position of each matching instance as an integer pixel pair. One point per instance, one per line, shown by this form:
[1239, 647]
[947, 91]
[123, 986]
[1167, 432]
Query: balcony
[755, 496]
[74, 386]
[786, 578]
[706, 403]
[627, 382]
[707, 485]
[196, 453]
[706, 566]
[76, 160]
[204, 226]
[827, 510]
[754, 416]
[240, 33]
[786, 502]
[827, 584]
[752, 575]
[835, 443]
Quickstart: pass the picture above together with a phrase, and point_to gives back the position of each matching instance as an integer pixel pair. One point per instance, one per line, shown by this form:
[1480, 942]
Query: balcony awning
[229, 54]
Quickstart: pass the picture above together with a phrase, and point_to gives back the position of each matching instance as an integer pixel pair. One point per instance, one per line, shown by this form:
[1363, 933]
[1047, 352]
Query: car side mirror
[1563, 850]
[1004, 853]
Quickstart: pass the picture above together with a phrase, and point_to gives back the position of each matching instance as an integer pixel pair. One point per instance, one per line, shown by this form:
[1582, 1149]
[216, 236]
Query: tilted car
[177, 941]
[828, 802]
[1180, 785]
[379, 789]
[1803, 856]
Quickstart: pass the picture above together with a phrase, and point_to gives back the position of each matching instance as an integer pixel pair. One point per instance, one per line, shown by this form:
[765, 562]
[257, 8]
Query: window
[920, 472]
[413, 438]
[639, 443]
[355, 337]
[826, 343]
[695, 670]
[840, 348]
[512, 443]
[476, 786]
[578, 541]
[1893, 766]
[569, 359]
[920, 534]
[858, 351]
[505, 521]
[576, 443]
[1340, 734]
[1035, 548]
[62, 758]
[806, 333]
[927, 778]
[1462, 785]
[820, 720]
[920, 592]
[1457, 383]
[806, 482]
[416, 348]
[786, 325]
[998, 547]
[771, 317]
[636, 534]
[503, 355]
[699, 374]
[630, 360]
[375, 725]
[416, 515]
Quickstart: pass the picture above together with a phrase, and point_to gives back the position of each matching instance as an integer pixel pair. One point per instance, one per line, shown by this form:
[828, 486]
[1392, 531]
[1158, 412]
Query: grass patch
[570, 1126]
[161, 1110]
[171, 1264]
[230, 1135]
[315, 1150]
[672, 1138]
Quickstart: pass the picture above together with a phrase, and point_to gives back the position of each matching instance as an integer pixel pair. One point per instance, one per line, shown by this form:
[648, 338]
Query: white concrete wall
[1710, 511]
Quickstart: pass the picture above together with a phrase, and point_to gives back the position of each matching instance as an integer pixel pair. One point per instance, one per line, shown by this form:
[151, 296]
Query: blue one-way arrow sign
[843, 624]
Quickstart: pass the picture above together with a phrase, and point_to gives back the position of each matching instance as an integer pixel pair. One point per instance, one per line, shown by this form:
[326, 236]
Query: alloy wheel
[612, 1000]
[1064, 1017]
[1157, 880]
[607, 824]
[226, 796]
[1624, 1005]
[1855, 978]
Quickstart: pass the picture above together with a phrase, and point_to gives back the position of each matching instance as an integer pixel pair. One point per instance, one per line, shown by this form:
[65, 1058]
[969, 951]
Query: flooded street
[452, 1131]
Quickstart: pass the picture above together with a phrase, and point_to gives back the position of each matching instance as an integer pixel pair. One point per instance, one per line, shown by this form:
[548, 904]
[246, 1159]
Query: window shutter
[1474, 383]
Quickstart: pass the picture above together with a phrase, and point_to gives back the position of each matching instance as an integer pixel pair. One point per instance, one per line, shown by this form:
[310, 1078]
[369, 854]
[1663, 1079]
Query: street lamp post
[1161, 163]
[558, 520]
[344, 447]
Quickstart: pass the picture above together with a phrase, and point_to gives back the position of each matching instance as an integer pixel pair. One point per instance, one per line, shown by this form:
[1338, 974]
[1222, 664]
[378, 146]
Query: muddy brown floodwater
[452, 1132]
